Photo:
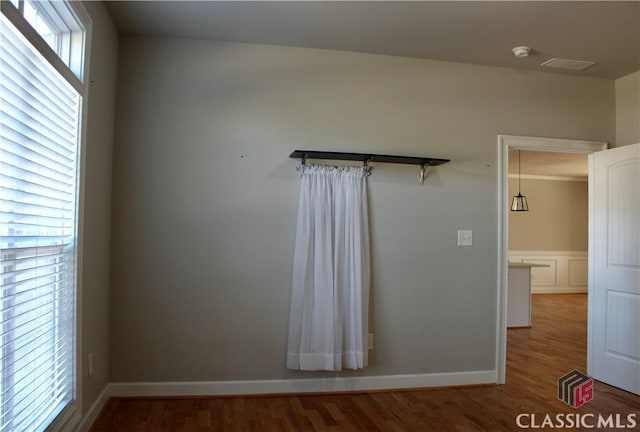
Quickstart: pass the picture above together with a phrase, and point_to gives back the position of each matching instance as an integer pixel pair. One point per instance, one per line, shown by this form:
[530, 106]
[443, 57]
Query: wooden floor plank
[536, 357]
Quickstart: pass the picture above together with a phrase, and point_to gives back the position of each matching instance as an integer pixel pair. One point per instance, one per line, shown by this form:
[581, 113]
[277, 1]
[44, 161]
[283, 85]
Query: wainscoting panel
[567, 271]
[578, 272]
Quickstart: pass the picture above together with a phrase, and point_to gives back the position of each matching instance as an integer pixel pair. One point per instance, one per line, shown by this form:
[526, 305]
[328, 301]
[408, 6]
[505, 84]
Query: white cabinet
[519, 294]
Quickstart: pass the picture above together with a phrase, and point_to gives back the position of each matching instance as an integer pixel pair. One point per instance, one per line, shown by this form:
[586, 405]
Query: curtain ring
[365, 164]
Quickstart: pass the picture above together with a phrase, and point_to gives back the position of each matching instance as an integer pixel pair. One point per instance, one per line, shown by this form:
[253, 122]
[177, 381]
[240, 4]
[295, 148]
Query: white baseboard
[95, 410]
[263, 387]
[567, 290]
[316, 385]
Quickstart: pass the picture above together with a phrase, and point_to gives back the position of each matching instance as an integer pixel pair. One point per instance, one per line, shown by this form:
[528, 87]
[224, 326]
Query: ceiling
[607, 32]
[548, 164]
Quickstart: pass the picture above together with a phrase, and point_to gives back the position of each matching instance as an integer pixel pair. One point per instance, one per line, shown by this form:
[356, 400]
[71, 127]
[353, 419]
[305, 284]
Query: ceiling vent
[576, 65]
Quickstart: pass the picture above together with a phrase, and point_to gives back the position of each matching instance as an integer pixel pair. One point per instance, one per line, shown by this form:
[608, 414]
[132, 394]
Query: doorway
[506, 143]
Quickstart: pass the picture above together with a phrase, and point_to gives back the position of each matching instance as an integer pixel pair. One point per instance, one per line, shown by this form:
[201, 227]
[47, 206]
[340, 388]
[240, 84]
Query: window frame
[79, 81]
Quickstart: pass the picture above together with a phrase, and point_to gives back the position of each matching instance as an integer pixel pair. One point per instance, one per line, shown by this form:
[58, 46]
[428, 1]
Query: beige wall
[205, 199]
[96, 209]
[557, 219]
[628, 109]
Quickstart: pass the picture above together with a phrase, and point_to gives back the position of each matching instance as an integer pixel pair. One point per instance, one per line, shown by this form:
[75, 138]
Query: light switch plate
[465, 237]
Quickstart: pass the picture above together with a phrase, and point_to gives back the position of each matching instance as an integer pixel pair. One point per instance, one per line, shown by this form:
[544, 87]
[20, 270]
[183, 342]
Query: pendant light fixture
[519, 202]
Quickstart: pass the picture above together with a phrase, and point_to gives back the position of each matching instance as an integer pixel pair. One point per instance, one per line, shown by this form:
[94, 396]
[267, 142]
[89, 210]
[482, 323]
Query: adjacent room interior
[552, 236]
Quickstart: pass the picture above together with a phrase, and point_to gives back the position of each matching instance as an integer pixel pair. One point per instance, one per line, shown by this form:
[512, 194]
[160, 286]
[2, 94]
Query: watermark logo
[575, 388]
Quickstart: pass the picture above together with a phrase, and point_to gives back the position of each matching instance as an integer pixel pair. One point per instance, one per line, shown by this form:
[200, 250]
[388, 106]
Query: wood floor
[554, 345]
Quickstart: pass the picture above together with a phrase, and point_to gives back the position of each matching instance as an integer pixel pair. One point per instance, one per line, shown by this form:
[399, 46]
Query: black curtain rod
[367, 157]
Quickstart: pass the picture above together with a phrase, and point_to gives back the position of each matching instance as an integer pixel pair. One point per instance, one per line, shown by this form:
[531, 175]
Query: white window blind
[39, 139]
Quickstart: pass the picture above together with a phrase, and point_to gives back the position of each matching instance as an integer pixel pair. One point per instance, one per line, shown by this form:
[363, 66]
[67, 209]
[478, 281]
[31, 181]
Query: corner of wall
[627, 91]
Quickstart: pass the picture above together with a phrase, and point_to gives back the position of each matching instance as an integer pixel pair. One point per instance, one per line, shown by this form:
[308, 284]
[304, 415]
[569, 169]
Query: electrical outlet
[90, 364]
[465, 237]
[370, 341]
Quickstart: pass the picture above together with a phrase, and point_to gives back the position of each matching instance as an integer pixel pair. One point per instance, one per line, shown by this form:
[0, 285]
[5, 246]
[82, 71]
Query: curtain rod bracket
[424, 171]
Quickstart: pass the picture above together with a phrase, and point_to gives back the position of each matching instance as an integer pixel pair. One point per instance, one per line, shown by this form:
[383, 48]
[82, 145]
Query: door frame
[506, 142]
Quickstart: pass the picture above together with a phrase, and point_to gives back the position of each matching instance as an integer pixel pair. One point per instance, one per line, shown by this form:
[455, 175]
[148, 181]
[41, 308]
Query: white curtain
[328, 322]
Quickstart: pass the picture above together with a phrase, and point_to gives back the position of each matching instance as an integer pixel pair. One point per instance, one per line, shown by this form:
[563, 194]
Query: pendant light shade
[519, 202]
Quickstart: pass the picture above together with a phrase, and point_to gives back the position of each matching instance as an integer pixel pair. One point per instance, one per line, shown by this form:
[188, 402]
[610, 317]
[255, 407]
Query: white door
[614, 267]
